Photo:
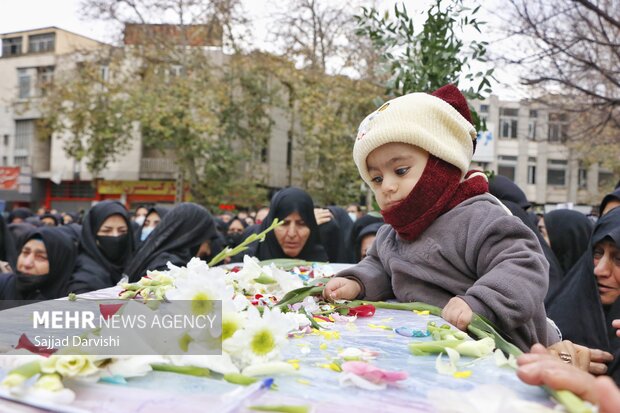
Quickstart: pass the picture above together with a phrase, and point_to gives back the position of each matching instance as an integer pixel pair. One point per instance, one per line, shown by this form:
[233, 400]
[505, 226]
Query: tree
[569, 56]
[435, 55]
[89, 109]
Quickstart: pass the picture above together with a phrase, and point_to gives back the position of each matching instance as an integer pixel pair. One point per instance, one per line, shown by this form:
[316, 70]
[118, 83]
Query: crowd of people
[445, 236]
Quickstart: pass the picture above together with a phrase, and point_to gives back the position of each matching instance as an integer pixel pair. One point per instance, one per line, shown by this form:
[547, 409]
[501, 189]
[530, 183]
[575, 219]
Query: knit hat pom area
[439, 123]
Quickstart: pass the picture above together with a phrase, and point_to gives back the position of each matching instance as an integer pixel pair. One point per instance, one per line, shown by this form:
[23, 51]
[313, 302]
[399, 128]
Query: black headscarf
[576, 307]
[22, 213]
[284, 203]
[506, 190]
[94, 270]
[176, 239]
[61, 254]
[161, 211]
[569, 234]
[367, 230]
[8, 252]
[555, 269]
[615, 195]
[363, 222]
[346, 253]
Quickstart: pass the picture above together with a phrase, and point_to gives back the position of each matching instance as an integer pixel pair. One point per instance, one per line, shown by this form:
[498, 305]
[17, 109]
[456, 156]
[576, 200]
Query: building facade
[526, 142]
[47, 177]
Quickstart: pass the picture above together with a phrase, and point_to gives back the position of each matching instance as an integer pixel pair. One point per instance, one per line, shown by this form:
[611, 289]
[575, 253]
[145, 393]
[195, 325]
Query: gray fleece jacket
[477, 251]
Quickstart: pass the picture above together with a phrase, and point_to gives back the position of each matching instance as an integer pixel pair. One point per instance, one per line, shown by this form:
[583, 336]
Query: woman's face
[607, 270]
[366, 243]
[292, 235]
[235, 227]
[32, 259]
[152, 220]
[113, 226]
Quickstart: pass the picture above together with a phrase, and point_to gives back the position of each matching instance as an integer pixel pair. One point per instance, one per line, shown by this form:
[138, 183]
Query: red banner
[8, 177]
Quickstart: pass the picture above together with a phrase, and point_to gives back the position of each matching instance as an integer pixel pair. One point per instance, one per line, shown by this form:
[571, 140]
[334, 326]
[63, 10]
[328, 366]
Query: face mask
[26, 283]
[232, 240]
[113, 248]
[146, 231]
[140, 220]
[353, 216]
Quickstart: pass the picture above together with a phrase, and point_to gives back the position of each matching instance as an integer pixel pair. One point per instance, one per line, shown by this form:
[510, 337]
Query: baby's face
[395, 168]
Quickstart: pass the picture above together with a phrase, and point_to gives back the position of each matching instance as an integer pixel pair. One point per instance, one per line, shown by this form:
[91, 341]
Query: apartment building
[526, 142]
[46, 176]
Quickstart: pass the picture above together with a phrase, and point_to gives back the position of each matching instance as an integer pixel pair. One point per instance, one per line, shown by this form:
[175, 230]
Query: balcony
[157, 168]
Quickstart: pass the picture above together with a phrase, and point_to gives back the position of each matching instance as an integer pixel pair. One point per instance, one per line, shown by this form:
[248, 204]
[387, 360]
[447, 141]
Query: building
[526, 142]
[46, 176]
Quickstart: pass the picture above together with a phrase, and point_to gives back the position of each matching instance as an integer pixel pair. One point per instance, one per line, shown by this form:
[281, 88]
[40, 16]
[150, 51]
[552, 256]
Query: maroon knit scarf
[439, 190]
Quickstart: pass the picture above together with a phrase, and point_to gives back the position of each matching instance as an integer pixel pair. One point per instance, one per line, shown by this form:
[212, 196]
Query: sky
[65, 14]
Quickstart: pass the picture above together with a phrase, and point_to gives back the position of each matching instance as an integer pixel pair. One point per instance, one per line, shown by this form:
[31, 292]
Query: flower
[476, 348]
[261, 338]
[70, 366]
[367, 376]
[49, 382]
[365, 310]
[449, 367]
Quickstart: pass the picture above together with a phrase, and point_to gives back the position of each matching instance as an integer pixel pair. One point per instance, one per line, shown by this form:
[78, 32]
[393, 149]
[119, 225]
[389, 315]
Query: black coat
[93, 270]
[61, 253]
[576, 307]
[176, 239]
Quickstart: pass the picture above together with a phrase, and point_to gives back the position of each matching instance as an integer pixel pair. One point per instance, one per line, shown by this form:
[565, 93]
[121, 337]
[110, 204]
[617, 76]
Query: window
[508, 121]
[23, 79]
[11, 46]
[531, 130]
[484, 108]
[558, 127]
[21, 161]
[556, 172]
[506, 166]
[5, 161]
[582, 181]
[605, 178]
[531, 171]
[533, 113]
[40, 43]
[289, 149]
[104, 72]
[45, 76]
[6, 140]
[24, 134]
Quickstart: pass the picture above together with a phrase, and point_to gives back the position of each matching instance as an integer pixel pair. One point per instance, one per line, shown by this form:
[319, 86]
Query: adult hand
[586, 359]
[458, 313]
[616, 324]
[322, 215]
[541, 368]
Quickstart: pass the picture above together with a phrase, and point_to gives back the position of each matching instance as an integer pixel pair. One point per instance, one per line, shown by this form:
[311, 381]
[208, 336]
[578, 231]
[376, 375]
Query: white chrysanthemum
[131, 366]
[219, 363]
[244, 278]
[262, 337]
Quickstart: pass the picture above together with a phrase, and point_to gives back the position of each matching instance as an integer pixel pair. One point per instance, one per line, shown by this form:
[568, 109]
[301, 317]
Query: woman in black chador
[176, 239]
[106, 247]
[43, 267]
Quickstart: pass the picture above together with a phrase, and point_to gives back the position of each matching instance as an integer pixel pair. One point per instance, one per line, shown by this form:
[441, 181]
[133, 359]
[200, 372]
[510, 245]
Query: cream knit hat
[439, 123]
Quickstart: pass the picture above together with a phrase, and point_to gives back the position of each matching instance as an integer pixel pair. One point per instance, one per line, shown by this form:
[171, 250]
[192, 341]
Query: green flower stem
[423, 348]
[229, 252]
[189, 370]
[237, 378]
[25, 371]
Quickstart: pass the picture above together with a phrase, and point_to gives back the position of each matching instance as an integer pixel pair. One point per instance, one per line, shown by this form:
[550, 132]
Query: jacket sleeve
[375, 281]
[511, 268]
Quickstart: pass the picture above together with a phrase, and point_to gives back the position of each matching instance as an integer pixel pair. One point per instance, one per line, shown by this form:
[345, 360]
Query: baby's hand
[341, 289]
[457, 313]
